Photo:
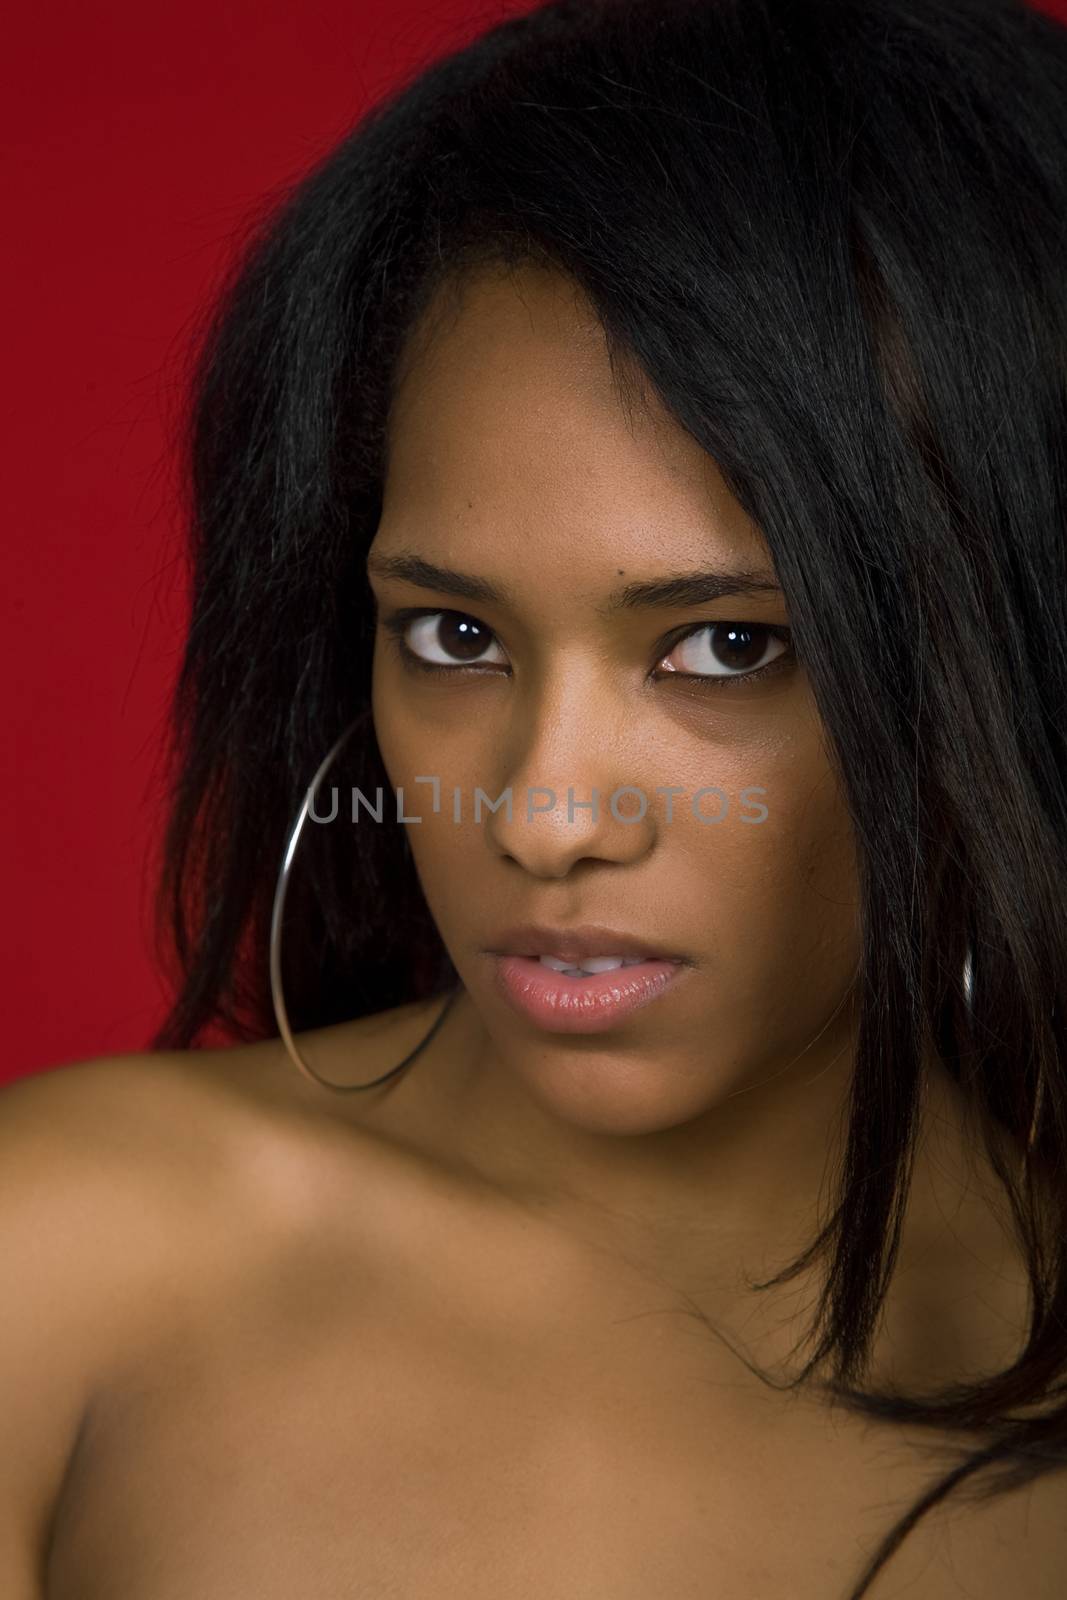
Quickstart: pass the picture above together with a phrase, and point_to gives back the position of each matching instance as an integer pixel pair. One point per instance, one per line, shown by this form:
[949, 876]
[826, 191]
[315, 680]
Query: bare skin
[470, 1333]
[330, 1360]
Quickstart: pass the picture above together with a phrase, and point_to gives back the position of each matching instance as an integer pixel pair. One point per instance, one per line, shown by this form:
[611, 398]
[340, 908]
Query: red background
[139, 140]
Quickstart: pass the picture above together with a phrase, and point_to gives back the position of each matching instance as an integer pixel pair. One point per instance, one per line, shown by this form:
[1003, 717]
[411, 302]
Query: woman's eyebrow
[675, 590]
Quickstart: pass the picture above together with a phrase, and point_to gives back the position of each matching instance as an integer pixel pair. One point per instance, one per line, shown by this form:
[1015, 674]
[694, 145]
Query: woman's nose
[569, 794]
[548, 830]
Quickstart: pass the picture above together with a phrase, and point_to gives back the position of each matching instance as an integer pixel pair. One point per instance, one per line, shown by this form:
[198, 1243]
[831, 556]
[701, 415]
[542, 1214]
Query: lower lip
[580, 1005]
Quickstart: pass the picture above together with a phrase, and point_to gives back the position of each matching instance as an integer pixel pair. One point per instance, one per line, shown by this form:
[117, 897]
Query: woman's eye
[727, 650]
[446, 639]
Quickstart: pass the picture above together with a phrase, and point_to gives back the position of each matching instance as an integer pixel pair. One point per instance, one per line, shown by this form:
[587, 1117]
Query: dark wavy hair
[831, 237]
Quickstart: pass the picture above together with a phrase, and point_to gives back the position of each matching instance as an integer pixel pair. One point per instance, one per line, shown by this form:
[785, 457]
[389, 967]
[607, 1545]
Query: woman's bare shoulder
[113, 1156]
[148, 1144]
[92, 1122]
[90, 1227]
[134, 1190]
[112, 1105]
[105, 1123]
[129, 1184]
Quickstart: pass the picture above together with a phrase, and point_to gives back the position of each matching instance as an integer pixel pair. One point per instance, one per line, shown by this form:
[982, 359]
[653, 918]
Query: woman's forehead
[510, 409]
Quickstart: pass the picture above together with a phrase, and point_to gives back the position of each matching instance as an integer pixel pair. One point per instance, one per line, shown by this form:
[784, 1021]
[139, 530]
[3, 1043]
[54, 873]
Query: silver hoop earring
[277, 913]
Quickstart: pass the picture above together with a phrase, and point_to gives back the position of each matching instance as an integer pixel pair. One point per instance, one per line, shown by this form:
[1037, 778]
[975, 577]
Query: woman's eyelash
[396, 624]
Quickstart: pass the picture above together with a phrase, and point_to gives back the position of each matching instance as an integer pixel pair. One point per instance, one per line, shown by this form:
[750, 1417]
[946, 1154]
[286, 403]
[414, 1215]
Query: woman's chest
[299, 1443]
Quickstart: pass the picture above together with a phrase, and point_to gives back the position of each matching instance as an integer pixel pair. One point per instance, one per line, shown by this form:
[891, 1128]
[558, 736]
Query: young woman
[629, 491]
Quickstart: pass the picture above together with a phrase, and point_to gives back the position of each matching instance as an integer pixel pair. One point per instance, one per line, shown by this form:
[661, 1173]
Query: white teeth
[591, 965]
[557, 965]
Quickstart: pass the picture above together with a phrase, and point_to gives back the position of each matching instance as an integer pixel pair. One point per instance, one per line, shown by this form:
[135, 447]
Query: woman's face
[514, 461]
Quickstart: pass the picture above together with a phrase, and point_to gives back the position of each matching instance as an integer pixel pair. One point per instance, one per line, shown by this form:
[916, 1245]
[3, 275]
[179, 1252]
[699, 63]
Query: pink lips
[591, 1004]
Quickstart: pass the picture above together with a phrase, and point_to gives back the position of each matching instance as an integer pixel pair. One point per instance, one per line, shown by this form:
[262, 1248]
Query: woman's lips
[563, 1004]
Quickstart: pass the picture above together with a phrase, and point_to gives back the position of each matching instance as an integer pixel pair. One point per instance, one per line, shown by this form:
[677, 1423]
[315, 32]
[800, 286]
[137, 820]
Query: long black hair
[831, 237]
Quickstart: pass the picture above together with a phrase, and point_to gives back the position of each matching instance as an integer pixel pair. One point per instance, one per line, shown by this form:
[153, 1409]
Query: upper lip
[576, 944]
